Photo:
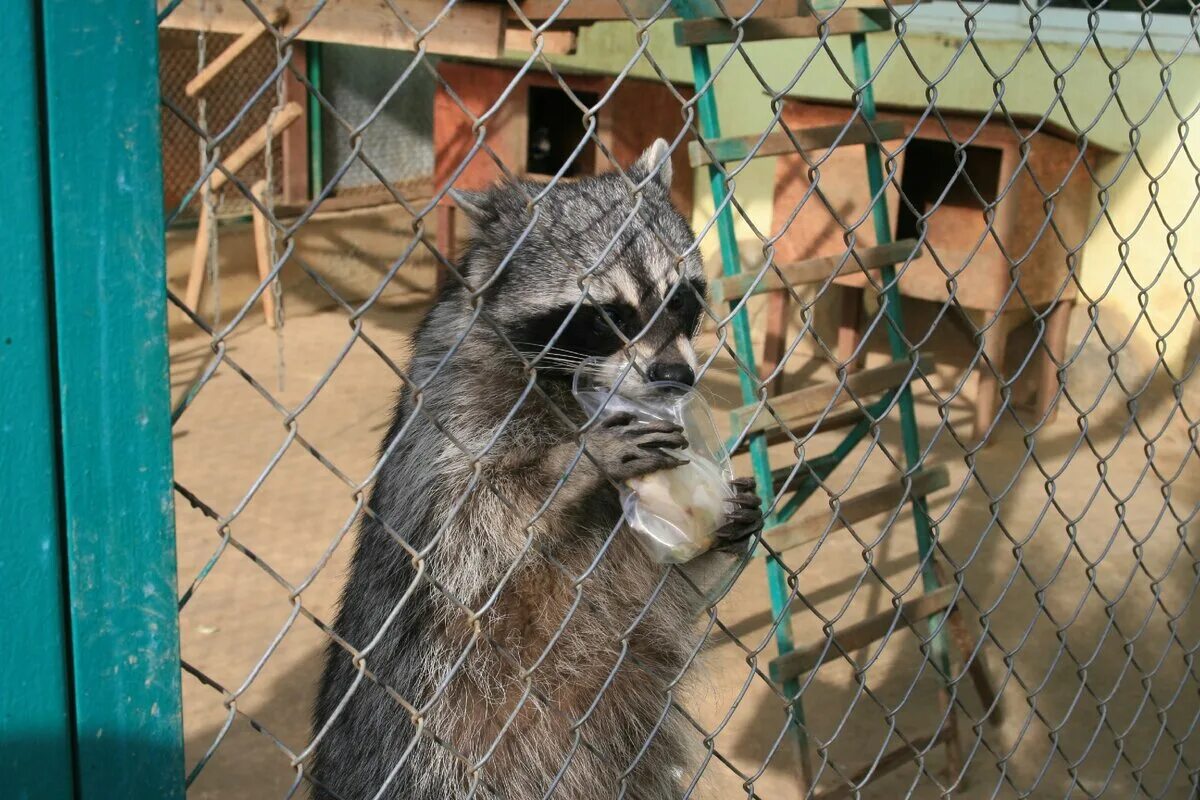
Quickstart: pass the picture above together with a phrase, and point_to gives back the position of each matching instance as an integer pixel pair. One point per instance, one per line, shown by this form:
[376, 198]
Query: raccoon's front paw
[744, 521]
[627, 447]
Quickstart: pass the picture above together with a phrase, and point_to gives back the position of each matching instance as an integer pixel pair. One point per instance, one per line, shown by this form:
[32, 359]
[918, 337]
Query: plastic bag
[676, 512]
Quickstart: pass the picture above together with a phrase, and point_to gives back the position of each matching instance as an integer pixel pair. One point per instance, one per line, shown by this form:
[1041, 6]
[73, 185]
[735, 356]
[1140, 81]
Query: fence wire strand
[1060, 188]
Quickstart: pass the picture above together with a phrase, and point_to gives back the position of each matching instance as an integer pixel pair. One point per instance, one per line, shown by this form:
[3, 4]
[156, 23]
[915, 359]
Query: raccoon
[501, 633]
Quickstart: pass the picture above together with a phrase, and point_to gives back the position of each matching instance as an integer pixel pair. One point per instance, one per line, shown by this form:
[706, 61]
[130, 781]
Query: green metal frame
[731, 264]
[35, 713]
[91, 673]
[821, 467]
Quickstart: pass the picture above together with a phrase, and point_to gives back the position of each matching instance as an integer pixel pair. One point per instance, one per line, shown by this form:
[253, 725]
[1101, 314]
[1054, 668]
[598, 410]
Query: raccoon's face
[587, 274]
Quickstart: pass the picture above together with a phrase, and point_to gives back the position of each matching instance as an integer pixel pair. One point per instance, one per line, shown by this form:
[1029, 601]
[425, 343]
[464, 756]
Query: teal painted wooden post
[35, 719]
[892, 307]
[105, 191]
[731, 264]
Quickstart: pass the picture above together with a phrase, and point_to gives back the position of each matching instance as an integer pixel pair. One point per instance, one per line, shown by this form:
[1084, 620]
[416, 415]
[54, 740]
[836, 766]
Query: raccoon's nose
[675, 373]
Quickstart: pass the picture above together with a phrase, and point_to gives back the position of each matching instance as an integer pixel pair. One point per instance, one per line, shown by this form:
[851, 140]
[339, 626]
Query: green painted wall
[962, 79]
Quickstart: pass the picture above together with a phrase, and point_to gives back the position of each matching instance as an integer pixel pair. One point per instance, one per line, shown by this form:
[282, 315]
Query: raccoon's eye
[602, 325]
[622, 317]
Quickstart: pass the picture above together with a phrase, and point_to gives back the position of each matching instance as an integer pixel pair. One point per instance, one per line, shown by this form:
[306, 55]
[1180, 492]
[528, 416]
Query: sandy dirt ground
[1075, 548]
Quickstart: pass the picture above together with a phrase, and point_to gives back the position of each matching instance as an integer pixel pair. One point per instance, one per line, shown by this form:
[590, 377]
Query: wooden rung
[889, 762]
[800, 531]
[814, 270]
[786, 143]
[859, 635]
[829, 422]
[238, 46]
[690, 33]
[794, 407]
[582, 11]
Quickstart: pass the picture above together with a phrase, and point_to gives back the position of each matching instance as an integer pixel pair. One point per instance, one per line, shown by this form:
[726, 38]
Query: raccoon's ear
[656, 161]
[478, 206]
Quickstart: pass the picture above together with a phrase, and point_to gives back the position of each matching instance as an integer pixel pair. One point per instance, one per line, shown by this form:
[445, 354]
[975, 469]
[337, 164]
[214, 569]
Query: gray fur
[594, 717]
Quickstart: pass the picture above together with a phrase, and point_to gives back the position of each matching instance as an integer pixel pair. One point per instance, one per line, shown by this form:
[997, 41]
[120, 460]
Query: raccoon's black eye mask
[588, 334]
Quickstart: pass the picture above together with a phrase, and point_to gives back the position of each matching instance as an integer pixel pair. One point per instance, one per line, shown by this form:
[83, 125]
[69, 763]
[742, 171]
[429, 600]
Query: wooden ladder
[768, 417]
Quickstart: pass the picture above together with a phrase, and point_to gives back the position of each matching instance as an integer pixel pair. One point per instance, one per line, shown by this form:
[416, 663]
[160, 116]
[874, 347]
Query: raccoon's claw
[628, 447]
[744, 521]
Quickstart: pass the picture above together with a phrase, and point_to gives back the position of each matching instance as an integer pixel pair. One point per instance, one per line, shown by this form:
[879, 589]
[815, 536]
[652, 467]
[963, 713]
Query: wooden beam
[829, 395]
[601, 10]
[804, 530]
[555, 42]
[781, 143]
[859, 635]
[813, 270]
[230, 54]
[689, 33]
[294, 141]
[471, 28]
[890, 762]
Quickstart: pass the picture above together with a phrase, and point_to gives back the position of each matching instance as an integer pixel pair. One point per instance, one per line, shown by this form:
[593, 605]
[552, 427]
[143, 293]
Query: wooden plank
[813, 270]
[890, 762]
[690, 33]
[859, 635]
[800, 531]
[262, 251]
[230, 54]
[474, 29]
[600, 10]
[824, 397]
[519, 39]
[105, 177]
[35, 715]
[832, 421]
[294, 140]
[781, 142]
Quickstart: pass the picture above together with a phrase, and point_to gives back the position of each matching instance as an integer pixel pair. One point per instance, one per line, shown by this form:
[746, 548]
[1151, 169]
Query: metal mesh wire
[1060, 660]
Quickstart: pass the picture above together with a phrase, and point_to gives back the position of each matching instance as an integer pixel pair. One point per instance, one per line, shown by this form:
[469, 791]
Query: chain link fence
[975, 572]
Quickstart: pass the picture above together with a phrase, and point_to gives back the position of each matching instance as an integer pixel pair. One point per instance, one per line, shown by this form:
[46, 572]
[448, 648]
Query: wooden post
[1055, 344]
[987, 391]
[195, 282]
[262, 252]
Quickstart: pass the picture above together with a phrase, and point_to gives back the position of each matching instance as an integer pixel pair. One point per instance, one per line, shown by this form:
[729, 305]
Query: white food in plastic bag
[675, 512]
[679, 510]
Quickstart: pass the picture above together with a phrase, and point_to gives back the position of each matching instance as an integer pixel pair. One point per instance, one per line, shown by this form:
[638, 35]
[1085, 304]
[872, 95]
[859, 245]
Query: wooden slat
[600, 10]
[813, 270]
[859, 635]
[781, 142]
[832, 421]
[518, 38]
[474, 29]
[689, 33]
[800, 531]
[823, 397]
[891, 760]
